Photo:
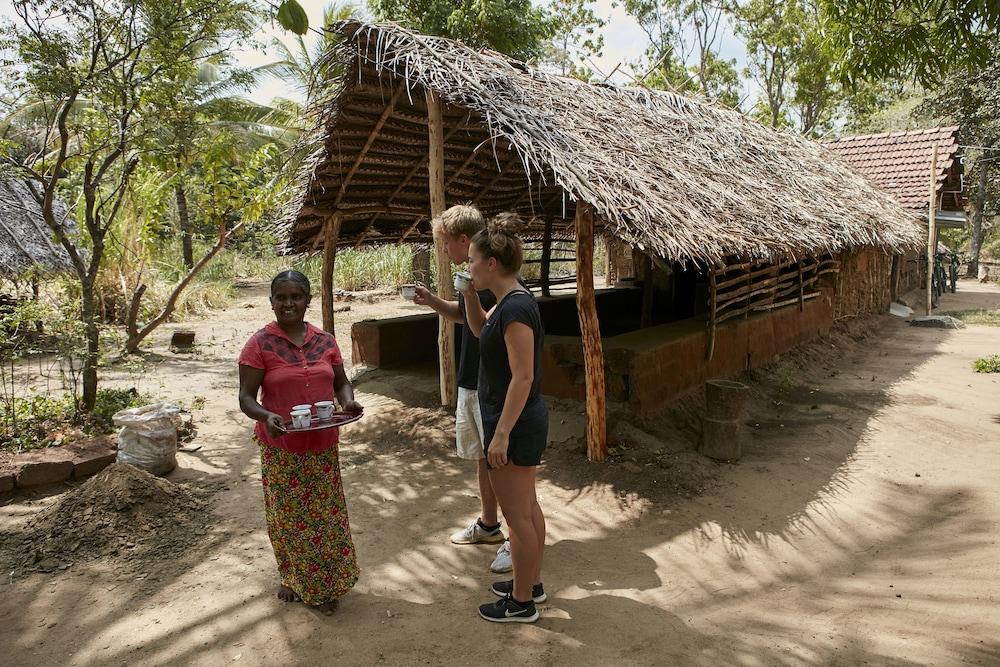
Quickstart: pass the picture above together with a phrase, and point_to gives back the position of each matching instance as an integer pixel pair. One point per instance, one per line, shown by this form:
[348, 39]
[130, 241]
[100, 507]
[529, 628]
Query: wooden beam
[409, 176]
[500, 174]
[330, 235]
[446, 330]
[590, 333]
[712, 315]
[546, 256]
[371, 139]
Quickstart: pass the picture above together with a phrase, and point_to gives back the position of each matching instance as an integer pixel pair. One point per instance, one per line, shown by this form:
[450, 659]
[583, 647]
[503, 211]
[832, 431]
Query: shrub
[990, 364]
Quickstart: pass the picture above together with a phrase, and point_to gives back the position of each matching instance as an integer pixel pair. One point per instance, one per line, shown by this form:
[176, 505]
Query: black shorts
[526, 443]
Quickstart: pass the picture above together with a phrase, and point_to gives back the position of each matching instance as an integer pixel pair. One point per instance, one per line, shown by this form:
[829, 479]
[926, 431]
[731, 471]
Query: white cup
[301, 418]
[462, 281]
[305, 407]
[408, 292]
[324, 409]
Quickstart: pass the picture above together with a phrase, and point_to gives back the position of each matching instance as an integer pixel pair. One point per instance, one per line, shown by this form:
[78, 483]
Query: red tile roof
[900, 162]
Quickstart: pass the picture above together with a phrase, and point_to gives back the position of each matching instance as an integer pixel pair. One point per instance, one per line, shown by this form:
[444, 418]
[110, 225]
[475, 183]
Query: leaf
[292, 17]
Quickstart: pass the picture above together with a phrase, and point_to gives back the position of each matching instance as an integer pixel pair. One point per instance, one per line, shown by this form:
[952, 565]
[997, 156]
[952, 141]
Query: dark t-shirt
[468, 359]
[494, 372]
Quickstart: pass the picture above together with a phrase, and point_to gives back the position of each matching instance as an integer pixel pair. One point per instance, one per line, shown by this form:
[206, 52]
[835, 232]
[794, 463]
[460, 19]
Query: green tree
[683, 52]
[514, 27]
[971, 99]
[911, 39]
[204, 102]
[793, 64]
[120, 56]
[575, 37]
[300, 65]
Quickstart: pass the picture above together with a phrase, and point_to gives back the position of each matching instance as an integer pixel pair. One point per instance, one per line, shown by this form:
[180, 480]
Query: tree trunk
[422, 266]
[88, 313]
[136, 335]
[187, 231]
[979, 204]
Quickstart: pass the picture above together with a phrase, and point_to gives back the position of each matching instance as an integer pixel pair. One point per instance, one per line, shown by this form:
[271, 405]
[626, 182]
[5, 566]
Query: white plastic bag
[148, 439]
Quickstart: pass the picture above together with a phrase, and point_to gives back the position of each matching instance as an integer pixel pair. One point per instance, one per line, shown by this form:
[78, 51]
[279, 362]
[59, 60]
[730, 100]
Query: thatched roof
[25, 239]
[676, 177]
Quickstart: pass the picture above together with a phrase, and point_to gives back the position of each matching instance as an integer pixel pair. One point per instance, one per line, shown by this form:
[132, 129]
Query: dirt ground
[860, 526]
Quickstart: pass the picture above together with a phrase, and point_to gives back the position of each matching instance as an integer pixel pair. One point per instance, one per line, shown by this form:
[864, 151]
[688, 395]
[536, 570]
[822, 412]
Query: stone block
[37, 473]
[92, 463]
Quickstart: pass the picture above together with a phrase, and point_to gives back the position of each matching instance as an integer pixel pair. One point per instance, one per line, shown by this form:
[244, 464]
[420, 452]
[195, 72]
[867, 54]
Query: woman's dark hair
[499, 240]
[291, 276]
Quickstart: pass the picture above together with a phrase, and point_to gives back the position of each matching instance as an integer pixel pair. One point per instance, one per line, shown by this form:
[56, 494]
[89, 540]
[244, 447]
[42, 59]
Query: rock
[186, 431]
[938, 322]
[6, 481]
[900, 309]
[92, 463]
[37, 473]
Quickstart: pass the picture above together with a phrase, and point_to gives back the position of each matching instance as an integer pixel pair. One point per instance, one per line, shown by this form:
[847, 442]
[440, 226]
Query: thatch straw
[673, 176]
[25, 240]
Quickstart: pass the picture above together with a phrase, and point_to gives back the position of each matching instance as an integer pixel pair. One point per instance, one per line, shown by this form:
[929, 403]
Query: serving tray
[317, 424]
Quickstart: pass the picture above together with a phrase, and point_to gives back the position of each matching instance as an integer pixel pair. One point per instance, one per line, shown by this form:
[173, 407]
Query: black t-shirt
[468, 359]
[494, 372]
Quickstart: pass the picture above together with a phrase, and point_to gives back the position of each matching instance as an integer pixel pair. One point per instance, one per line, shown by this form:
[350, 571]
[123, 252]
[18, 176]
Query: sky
[624, 42]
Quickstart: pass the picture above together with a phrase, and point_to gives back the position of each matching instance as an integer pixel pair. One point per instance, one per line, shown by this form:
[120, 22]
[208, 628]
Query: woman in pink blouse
[291, 362]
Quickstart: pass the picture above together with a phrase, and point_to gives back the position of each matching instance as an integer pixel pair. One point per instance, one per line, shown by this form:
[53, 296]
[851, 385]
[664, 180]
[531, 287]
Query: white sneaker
[476, 534]
[502, 563]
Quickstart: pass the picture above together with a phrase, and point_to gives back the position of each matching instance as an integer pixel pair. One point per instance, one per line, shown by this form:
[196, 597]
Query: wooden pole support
[931, 224]
[446, 330]
[546, 256]
[331, 234]
[646, 318]
[590, 332]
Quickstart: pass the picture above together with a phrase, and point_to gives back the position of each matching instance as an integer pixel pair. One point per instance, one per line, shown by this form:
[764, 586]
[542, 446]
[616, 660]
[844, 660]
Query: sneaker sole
[541, 598]
[501, 570]
[510, 619]
[492, 539]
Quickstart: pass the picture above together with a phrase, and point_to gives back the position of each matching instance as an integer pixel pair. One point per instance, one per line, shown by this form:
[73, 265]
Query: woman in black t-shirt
[515, 419]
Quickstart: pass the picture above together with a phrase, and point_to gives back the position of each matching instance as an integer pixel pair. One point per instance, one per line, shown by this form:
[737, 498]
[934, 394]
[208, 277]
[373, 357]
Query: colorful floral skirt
[307, 523]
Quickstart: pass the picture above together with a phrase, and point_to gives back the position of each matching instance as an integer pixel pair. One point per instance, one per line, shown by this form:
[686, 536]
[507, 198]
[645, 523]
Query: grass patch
[990, 318]
[990, 364]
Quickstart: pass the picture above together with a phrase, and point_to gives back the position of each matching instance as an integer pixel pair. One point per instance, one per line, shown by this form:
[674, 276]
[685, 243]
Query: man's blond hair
[460, 219]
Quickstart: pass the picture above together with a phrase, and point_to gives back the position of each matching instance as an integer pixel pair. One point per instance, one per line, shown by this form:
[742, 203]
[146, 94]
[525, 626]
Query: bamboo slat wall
[738, 290]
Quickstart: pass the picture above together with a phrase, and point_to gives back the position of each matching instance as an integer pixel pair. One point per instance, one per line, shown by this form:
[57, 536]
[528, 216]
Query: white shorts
[469, 425]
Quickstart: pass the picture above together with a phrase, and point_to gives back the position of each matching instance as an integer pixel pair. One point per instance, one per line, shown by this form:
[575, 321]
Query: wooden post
[802, 292]
[546, 256]
[647, 292]
[331, 233]
[590, 333]
[931, 231]
[435, 167]
[712, 307]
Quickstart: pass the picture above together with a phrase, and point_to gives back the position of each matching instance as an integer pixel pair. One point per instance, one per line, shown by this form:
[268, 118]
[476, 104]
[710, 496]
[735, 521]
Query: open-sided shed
[411, 124]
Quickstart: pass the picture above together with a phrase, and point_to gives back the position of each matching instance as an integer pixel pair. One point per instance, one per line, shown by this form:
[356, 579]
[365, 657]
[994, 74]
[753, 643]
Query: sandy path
[860, 527]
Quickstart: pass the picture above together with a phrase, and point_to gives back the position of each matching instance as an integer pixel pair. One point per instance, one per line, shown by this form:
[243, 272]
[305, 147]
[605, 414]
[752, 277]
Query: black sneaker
[505, 588]
[507, 610]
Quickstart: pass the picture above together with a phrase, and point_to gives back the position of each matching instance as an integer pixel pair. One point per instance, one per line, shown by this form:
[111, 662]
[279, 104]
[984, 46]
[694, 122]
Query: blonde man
[456, 227]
